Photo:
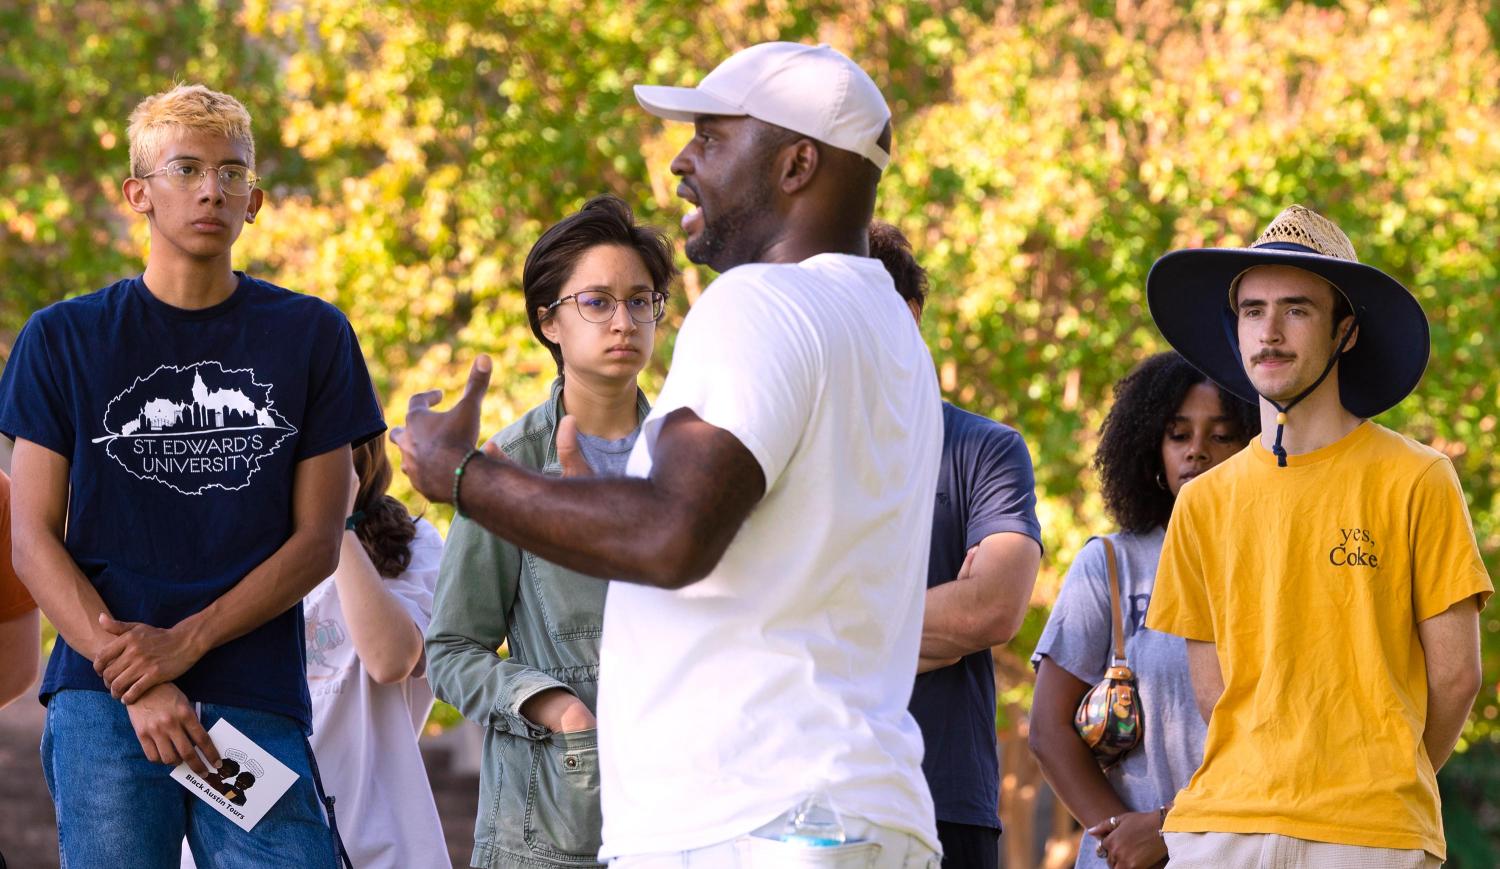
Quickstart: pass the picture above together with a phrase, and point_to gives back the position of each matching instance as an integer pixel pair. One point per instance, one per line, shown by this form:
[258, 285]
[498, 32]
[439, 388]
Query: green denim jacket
[538, 790]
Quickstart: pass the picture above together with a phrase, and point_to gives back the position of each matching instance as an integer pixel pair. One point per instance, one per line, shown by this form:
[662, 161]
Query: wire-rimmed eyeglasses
[189, 175]
[597, 306]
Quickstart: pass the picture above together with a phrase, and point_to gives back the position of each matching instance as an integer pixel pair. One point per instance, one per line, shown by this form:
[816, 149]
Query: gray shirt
[1077, 638]
[606, 457]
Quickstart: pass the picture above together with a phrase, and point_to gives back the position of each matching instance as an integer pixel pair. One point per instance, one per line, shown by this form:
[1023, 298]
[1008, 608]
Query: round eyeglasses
[190, 174]
[597, 306]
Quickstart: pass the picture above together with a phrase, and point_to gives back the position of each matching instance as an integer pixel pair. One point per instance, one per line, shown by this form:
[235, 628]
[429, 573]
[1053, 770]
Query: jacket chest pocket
[571, 604]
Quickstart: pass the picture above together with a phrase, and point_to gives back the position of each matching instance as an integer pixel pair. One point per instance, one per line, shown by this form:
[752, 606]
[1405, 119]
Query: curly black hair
[1129, 455]
[888, 245]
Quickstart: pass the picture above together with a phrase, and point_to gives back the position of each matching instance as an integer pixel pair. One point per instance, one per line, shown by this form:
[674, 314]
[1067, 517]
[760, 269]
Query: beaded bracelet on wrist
[458, 478]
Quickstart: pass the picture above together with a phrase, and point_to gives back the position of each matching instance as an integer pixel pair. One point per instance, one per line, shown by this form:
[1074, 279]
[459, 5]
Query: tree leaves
[1045, 155]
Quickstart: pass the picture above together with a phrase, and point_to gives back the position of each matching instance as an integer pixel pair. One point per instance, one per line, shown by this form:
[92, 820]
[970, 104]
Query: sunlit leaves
[1045, 155]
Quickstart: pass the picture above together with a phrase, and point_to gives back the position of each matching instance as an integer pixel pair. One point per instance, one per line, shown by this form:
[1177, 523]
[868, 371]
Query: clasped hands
[142, 656]
[1131, 840]
[138, 666]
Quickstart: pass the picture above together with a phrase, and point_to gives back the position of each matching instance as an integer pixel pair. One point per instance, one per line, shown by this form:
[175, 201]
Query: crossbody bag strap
[1118, 622]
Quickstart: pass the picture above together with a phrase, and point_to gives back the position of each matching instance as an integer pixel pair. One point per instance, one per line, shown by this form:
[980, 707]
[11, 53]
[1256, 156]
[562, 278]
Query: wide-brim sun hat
[1190, 295]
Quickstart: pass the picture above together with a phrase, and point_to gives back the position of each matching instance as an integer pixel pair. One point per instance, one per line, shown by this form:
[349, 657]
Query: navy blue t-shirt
[985, 486]
[184, 429]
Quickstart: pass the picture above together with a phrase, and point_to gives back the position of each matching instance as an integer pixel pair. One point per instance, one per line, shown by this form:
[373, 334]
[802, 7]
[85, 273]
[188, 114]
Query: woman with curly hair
[1168, 425]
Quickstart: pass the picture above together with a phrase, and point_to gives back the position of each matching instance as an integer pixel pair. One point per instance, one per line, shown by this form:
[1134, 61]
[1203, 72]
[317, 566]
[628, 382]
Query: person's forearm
[1074, 775]
[471, 609]
[273, 587]
[1450, 644]
[983, 606]
[959, 621]
[1448, 709]
[616, 528]
[385, 638]
[1206, 676]
[468, 675]
[964, 616]
[668, 530]
[19, 649]
[61, 591]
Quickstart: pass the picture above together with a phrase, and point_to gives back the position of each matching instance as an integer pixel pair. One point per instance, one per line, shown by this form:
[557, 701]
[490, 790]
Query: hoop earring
[1161, 483]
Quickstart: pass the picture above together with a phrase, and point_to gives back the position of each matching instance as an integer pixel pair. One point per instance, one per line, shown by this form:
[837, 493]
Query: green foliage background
[1046, 153]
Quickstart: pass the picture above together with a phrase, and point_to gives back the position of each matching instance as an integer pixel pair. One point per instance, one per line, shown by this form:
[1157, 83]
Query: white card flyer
[248, 782]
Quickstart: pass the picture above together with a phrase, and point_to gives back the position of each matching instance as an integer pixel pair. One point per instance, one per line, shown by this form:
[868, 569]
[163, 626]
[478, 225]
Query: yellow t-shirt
[1311, 580]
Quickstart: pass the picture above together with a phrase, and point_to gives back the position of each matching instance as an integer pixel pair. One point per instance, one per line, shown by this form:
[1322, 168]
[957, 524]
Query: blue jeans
[116, 808]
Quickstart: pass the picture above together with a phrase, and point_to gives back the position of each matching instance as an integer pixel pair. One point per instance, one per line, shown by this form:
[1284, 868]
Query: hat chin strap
[1281, 409]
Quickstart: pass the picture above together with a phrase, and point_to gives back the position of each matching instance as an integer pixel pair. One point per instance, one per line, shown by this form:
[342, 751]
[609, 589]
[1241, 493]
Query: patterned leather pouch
[1108, 719]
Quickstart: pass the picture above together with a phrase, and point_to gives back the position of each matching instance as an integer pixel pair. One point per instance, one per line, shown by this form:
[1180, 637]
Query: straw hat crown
[1299, 225]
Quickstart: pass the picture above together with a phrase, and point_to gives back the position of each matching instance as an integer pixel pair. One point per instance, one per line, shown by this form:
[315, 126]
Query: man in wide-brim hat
[1326, 578]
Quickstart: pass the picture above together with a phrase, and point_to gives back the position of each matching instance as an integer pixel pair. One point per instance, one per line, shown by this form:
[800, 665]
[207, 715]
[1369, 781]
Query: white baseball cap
[808, 89]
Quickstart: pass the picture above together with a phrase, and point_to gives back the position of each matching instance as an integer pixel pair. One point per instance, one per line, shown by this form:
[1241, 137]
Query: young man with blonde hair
[180, 476]
[1326, 578]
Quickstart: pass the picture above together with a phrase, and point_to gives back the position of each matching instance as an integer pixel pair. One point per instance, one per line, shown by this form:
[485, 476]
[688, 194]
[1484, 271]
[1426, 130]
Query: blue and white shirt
[183, 429]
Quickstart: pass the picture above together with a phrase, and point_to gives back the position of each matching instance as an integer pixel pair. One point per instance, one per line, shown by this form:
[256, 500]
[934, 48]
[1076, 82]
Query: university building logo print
[194, 427]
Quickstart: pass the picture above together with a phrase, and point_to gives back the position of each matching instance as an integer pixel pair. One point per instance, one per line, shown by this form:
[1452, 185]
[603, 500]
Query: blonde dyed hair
[186, 107]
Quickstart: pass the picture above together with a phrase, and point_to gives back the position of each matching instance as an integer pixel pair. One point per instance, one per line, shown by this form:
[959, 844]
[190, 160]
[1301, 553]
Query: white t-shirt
[365, 733]
[788, 668]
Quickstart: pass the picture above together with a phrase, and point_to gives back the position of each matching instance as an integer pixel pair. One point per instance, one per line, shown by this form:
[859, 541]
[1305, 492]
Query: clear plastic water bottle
[814, 822]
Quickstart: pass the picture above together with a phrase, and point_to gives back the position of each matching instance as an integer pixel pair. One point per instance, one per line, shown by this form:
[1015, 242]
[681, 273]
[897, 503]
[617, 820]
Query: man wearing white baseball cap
[769, 549]
[808, 89]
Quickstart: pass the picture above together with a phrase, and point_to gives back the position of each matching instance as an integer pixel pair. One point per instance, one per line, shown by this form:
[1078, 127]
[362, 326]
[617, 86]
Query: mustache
[1271, 354]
